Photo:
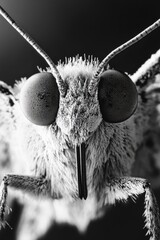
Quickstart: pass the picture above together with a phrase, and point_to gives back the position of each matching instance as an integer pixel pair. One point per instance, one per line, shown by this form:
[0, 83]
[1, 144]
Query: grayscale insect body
[72, 133]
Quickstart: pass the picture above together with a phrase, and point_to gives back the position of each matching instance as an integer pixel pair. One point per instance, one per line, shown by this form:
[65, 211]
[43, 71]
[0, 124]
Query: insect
[71, 134]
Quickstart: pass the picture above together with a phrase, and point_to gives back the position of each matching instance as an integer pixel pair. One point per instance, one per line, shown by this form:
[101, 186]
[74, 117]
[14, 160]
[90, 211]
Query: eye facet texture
[39, 99]
[117, 96]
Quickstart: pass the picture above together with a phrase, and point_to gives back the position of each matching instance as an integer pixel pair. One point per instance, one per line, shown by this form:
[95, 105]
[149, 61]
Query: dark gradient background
[65, 28]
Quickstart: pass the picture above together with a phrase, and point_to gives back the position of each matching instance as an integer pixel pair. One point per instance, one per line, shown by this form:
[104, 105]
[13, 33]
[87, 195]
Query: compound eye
[39, 99]
[117, 96]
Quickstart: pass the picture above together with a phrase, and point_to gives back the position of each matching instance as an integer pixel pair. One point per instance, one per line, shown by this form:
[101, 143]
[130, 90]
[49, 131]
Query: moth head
[112, 92]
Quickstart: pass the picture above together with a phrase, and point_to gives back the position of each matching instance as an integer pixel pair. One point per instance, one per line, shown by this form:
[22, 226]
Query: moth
[70, 134]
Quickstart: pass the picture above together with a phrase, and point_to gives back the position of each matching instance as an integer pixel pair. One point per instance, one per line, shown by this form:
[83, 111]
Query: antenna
[29, 39]
[95, 78]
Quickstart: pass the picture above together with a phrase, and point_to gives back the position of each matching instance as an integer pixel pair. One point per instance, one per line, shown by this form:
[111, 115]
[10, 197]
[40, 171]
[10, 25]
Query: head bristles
[95, 80]
[29, 39]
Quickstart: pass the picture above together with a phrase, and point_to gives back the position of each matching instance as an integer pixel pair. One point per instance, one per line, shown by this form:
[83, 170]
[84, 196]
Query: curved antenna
[29, 39]
[95, 79]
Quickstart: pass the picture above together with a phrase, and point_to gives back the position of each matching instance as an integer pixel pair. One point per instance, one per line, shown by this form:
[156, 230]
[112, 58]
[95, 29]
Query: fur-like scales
[49, 151]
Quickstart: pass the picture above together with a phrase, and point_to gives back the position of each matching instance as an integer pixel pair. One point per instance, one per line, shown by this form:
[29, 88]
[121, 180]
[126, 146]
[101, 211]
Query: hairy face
[79, 113]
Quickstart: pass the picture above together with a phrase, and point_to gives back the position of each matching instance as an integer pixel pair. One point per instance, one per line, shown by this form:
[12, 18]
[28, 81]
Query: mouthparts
[81, 170]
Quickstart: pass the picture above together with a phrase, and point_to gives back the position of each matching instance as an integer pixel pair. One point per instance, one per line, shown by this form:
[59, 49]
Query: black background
[65, 28]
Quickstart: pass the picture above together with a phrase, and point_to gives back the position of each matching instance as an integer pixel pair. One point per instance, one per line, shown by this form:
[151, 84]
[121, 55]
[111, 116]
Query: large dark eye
[39, 98]
[117, 96]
